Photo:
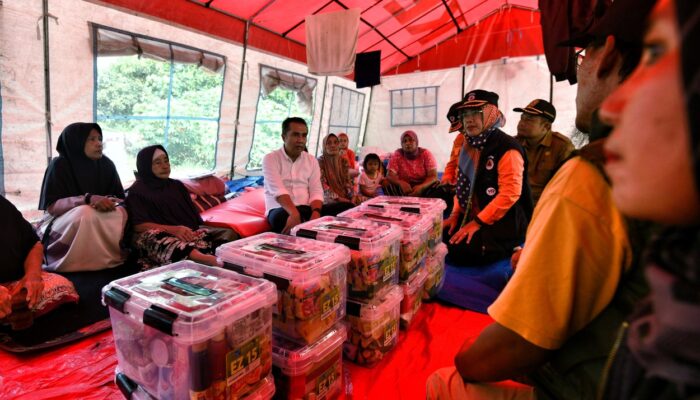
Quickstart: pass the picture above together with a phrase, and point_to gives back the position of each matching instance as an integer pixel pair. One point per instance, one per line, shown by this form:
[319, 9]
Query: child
[348, 154]
[372, 176]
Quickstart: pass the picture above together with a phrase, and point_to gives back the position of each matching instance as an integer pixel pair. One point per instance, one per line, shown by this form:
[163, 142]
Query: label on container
[390, 332]
[388, 267]
[326, 380]
[330, 302]
[242, 360]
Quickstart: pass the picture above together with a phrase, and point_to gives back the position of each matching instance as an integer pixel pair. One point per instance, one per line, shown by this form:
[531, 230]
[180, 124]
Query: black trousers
[278, 216]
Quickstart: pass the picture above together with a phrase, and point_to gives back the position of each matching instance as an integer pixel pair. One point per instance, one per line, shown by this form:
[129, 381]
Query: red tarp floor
[85, 370]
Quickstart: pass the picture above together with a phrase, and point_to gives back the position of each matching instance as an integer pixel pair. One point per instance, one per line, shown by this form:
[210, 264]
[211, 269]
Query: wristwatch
[88, 196]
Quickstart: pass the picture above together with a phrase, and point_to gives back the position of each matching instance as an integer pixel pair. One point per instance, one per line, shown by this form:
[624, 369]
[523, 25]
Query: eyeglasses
[580, 55]
[470, 112]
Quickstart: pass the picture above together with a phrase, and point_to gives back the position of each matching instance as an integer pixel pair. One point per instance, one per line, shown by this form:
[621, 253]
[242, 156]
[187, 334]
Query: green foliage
[272, 110]
[131, 87]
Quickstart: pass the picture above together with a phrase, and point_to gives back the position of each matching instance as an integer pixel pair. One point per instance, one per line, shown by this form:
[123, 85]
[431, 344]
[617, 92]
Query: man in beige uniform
[546, 150]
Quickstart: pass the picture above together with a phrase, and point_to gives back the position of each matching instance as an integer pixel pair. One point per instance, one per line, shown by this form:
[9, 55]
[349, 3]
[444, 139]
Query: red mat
[85, 370]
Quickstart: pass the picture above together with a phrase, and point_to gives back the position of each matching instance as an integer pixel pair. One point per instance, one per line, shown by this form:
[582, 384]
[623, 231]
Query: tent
[61, 64]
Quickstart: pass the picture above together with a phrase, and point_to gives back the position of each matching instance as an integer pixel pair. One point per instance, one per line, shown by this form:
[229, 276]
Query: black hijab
[72, 173]
[160, 201]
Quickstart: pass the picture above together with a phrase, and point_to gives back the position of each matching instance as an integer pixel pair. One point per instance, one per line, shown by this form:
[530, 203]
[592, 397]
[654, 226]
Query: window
[282, 94]
[346, 113]
[416, 106]
[153, 92]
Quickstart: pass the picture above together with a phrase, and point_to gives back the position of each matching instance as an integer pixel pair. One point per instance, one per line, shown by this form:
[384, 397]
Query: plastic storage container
[310, 278]
[414, 242]
[373, 328]
[309, 372]
[374, 251]
[435, 267]
[132, 391]
[187, 330]
[412, 297]
[416, 205]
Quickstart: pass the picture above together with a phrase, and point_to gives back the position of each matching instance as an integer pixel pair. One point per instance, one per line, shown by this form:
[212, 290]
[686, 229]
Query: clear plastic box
[435, 267]
[374, 251]
[416, 205]
[132, 391]
[185, 330]
[373, 327]
[310, 277]
[313, 371]
[412, 297]
[414, 242]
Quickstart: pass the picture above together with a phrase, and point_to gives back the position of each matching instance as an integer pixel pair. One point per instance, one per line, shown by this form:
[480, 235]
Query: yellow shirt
[576, 250]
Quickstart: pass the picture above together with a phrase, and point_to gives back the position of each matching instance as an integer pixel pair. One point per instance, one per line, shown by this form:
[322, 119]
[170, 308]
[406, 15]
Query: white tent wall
[516, 80]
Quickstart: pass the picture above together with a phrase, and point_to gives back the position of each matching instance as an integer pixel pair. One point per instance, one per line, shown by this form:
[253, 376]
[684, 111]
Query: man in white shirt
[293, 192]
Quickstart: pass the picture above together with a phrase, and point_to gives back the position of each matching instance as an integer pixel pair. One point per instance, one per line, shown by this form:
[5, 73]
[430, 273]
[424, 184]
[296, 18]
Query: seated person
[546, 150]
[337, 186]
[348, 154]
[493, 206]
[293, 190]
[412, 171]
[22, 282]
[81, 192]
[166, 223]
[372, 176]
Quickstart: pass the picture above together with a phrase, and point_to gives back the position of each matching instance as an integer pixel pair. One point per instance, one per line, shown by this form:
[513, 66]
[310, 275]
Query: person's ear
[609, 59]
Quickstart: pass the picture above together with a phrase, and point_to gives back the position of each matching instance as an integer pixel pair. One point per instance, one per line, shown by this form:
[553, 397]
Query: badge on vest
[491, 191]
[489, 163]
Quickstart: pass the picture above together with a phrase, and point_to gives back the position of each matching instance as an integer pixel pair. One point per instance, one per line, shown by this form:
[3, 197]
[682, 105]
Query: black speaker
[367, 68]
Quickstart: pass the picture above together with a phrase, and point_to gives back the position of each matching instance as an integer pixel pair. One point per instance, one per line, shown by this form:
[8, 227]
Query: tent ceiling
[470, 31]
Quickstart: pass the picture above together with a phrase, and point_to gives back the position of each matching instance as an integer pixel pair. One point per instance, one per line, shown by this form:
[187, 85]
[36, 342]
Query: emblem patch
[489, 164]
[471, 97]
[491, 191]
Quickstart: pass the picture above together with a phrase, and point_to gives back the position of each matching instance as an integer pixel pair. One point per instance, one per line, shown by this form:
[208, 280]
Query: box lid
[356, 234]
[416, 282]
[413, 225]
[188, 300]
[296, 359]
[377, 307]
[416, 205]
[284, 256]
[436, 259]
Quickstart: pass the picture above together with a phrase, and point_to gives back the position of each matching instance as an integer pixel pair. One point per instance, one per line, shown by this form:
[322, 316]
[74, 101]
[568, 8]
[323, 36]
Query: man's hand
[292, 221]
[5, 302]
[182, 232]
[34, 286]
[467, 232]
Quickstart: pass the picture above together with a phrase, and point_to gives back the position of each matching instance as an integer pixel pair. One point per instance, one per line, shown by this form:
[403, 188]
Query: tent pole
[47, 79]
[320, 119]
[464, 77]
[364, 134]
[551, 88]
[232, 172]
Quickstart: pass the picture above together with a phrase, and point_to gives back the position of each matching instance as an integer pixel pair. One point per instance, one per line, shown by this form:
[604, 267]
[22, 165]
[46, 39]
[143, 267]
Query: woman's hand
[34, 286]
[182, 232]
[5, 302]
[103, 203]
[451, 223]
[467, 232]
[405, 187]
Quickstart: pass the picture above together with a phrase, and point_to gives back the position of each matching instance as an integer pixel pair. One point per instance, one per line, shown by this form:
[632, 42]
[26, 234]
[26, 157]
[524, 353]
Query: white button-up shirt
[300, 179]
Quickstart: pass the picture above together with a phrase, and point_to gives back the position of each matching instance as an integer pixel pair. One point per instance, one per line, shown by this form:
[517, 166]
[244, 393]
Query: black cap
[540, 108]
[478, 98]
[453, 117]
[625, 20]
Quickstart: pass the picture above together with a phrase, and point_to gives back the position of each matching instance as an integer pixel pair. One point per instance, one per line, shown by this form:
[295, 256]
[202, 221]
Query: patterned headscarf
[334, 168]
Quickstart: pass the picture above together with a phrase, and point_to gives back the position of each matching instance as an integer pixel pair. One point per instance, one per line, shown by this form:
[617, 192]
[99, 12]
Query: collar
[545, 141]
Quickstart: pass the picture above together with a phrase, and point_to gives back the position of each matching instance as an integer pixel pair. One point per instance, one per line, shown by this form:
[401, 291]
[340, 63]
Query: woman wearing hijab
[165, 220]
[81, 193]
[411, 170]
[493, 205]
[335, 179]
[653, 160]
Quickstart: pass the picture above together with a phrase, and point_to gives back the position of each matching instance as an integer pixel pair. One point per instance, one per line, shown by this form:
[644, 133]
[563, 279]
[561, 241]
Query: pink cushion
[208, 185]
[244, 214]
